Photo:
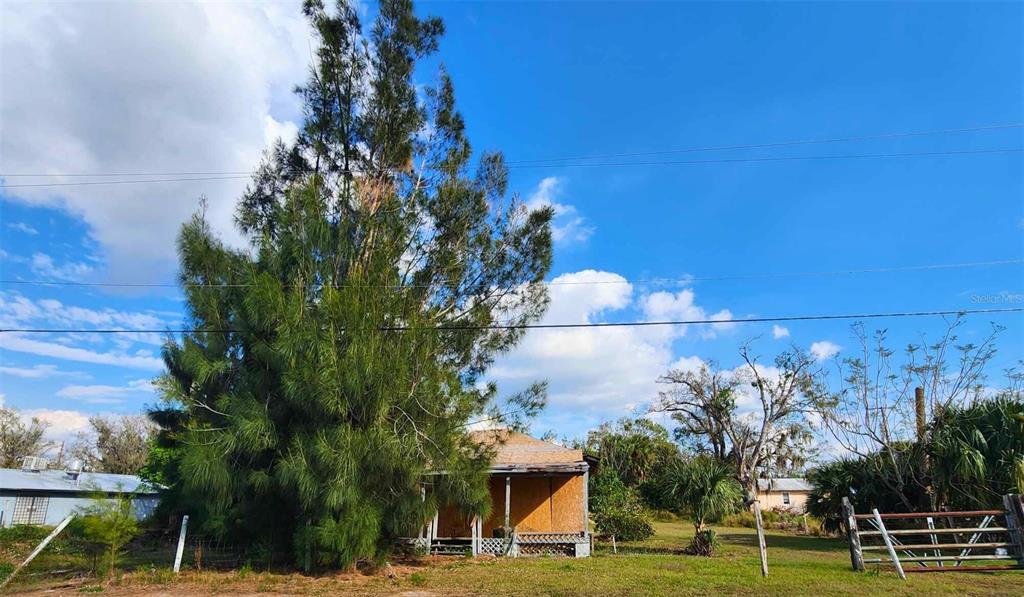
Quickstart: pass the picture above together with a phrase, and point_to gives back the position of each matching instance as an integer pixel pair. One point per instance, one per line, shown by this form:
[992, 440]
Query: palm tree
[706, 489]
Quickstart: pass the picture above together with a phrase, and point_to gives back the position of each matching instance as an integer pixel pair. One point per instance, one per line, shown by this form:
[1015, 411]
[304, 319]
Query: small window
[30, 510]
[785, 498]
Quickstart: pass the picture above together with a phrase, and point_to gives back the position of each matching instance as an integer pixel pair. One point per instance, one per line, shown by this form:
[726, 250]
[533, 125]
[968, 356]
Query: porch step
[449, 549]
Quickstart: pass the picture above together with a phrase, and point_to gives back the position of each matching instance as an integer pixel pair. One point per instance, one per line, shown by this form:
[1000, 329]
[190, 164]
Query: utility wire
[582, 165]
[546, 326]
[607, 155]
[666, 280]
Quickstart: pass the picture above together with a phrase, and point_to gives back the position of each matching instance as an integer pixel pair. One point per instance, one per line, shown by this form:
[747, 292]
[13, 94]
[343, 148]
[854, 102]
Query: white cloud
[779, 332]
[824, 350]
[680, 306]
[43, 265]
[568, 226]
[37, 372]
[23, 227]
[601, 373]
[16, 310]
[106, 394]
[145, 87]
[63, 424]
[20, 343]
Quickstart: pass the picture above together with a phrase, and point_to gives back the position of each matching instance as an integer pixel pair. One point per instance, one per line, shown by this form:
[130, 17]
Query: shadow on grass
[665, 550]
[795, 542]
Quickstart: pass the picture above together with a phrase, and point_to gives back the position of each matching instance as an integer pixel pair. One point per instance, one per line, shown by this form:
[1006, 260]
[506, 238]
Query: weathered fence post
[762, 551]
[856, 556]
[888, 544]
[181, 544]
[1015, 523]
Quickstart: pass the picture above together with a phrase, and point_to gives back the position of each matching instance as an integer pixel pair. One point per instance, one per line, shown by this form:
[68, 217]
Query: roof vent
[74, 470]
[33, 464]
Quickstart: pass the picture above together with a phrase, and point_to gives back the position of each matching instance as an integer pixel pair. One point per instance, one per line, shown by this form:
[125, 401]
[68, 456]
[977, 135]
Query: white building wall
[59, 506]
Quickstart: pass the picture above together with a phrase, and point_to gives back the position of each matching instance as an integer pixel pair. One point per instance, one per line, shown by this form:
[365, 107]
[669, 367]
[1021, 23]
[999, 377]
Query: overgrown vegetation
[342, 355]
[892, 414]
[107, 525]
[977, 456]
[617, 510]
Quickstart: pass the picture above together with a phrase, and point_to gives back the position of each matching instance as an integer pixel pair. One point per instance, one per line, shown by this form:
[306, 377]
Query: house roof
[783, 484]
[59, 481]
[518, 452]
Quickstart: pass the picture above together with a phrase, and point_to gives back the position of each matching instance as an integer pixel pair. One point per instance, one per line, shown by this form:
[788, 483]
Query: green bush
[704, 543]
[779, 520]
[628, 521]
[617, 509]
[108, 524]
[23, 533]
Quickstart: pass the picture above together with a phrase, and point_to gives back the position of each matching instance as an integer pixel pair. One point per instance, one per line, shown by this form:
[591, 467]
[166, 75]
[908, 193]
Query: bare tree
[114, 444]
[875, 413]
[18, 439]
[772, 432]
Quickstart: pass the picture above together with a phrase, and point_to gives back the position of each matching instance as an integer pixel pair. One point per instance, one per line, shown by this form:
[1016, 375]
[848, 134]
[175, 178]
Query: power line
[547, 326]
[582, 165]
[664, 280]
[776, 143]
[896, 135]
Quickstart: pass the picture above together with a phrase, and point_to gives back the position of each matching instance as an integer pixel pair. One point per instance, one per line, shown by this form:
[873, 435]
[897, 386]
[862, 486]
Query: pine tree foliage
[344, 352]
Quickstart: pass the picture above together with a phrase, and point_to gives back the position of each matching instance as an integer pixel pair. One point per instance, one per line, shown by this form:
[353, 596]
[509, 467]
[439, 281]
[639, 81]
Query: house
[538, 489]
[783, 493]
[34, 495]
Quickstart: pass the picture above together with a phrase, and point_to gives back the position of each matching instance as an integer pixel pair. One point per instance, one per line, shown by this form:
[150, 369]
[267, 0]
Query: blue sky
[190, 87]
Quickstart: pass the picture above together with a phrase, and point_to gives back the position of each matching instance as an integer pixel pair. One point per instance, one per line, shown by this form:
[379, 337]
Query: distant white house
[45, 497]
[786, 493]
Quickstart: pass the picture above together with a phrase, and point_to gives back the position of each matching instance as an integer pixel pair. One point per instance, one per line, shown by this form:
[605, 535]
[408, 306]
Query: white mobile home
[45, 497]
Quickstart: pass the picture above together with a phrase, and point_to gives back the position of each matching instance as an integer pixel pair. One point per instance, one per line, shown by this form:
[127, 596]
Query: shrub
[617, 509]
[704, 543]
[109, 524]
[778, 519]
[6, 568]
[23, 533]
[628, 521]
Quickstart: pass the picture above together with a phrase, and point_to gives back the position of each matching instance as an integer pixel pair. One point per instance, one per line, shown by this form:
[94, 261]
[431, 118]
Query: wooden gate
[966, 541]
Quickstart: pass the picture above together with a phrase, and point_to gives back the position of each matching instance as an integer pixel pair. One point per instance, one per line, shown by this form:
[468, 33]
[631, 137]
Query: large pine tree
[341, 356]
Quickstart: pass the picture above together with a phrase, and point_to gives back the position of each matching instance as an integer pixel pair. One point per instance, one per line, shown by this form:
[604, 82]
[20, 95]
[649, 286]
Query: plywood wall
[452, 523]
[567, 507]
[538, 505]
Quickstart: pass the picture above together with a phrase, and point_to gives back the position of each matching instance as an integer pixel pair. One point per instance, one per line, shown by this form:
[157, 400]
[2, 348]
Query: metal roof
[783, 484]
[59, 481]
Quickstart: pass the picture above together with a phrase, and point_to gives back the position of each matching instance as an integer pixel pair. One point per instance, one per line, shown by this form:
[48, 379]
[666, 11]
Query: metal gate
[945, 543]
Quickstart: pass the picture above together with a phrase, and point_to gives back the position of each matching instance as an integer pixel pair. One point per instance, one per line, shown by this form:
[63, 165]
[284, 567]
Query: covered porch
[539, 504]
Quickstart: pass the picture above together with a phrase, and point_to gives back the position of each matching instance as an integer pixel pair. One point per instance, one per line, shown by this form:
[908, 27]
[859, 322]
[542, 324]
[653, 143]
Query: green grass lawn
[798, 565]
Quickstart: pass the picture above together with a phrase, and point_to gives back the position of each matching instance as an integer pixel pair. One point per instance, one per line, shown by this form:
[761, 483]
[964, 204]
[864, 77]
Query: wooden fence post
[856, 556]
[761, 549]
[181, 544]
[1015, 523]
[888, 544]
